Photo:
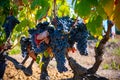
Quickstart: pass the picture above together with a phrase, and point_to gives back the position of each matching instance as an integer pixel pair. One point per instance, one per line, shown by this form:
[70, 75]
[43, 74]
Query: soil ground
[109, 57]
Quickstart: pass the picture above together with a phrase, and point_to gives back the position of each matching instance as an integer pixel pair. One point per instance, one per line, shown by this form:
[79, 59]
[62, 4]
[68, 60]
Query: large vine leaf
[100, 11]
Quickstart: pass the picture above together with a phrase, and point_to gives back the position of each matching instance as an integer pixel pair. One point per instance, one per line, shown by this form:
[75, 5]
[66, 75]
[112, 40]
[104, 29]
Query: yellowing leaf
[63, 10]
[117, 15]
[108, 6]
[117, 21]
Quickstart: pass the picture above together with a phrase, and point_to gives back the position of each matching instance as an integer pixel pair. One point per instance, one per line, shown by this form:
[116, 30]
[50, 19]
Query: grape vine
[61, 38]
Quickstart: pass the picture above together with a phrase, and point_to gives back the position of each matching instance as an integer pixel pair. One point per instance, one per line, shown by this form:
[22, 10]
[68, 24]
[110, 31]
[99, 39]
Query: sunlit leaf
[41, 12]
[46, 54]
[64, 10]
[101, 11]
[34, 4]
[2, 35]
[95, 25]
[22, 25]
[39, 57]
[40, 64]
[44, 3]
[108, 6]
[117, 15]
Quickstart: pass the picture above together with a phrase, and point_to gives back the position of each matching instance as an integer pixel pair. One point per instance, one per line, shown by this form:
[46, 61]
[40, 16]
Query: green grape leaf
[46, 54]
[2, 18]
[42, 3]
[95, 25]
[25, 1]
[82, 8]
[2, 35]
[22, 25]
[34, 4]
[93, 2]
[39, 57]
[101, 11]
[41, 12]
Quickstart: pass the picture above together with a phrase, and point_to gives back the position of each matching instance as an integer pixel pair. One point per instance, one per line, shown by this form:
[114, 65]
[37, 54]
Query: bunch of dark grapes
[59, 41]
[32, 33]
[25, 43]
[9, 25]
[41, 27]
[79, 35]
[59, 45]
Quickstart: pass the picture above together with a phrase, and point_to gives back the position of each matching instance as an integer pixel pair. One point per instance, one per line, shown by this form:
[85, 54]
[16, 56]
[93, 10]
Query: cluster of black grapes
[61, 38]
[25, 43]
[59, 45]
[9, 24]
[79, 34]
[41, 27]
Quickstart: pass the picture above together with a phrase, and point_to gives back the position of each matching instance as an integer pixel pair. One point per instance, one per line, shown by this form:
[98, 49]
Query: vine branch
[99, 50]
